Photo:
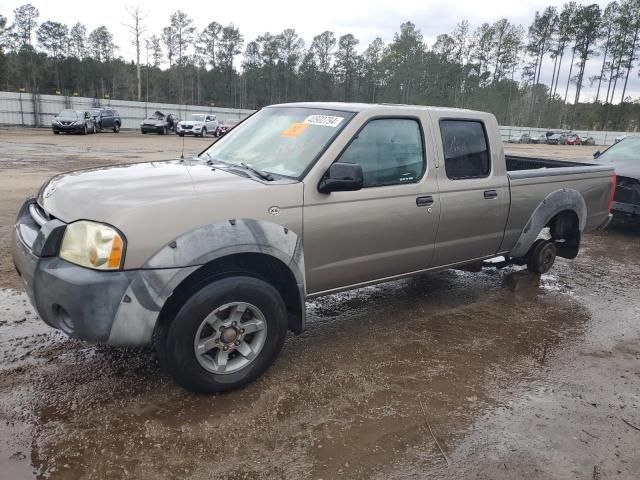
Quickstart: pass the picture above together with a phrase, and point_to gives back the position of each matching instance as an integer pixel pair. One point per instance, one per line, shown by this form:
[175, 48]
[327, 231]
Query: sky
[366, 19]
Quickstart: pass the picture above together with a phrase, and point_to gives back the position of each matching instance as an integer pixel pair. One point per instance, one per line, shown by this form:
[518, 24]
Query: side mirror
[342, 177]
[597, 154]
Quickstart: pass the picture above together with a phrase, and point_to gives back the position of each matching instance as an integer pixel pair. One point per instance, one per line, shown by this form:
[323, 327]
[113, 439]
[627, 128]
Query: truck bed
[516, 163]
[527, 167]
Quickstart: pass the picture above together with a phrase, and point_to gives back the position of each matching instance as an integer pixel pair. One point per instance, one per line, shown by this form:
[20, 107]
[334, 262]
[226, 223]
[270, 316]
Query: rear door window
[466, 150]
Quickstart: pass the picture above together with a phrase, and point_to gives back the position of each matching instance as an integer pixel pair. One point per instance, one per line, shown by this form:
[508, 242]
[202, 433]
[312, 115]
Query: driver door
[385, 229]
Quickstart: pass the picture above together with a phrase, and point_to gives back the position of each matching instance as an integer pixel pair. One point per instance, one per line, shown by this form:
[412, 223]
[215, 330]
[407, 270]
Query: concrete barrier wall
[38, 110]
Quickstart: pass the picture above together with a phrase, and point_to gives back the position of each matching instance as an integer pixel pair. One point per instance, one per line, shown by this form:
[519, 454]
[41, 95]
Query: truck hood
[632, 171]
[102, 194]
[625, 169]
[155, 203]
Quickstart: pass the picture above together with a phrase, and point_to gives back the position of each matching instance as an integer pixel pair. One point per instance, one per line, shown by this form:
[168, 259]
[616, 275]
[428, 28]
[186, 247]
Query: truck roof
[360, 107]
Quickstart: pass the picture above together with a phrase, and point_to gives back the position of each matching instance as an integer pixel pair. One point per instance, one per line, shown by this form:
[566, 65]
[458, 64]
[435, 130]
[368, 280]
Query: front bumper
[188, 131]
[79, 301]
[152, 128]
[116, 308]
[627, 211]
[68, 128]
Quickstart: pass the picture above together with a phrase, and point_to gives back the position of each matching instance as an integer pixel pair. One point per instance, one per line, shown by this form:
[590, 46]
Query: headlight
[92, 245]
[159, 124]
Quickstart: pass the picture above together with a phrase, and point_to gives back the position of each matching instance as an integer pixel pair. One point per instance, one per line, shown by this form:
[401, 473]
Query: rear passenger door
[474, 192]
[107, 119]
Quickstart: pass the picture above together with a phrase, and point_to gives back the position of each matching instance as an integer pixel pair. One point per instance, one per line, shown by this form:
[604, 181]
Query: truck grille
[627, 191]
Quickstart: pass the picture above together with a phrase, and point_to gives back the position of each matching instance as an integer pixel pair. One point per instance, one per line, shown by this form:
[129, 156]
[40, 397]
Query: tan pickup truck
[211, 259]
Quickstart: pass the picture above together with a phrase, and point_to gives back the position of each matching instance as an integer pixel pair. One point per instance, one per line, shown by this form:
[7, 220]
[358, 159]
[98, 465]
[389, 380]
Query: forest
[493, 67]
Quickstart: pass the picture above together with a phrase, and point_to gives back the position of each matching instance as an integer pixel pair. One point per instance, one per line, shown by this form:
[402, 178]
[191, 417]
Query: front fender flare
[141, 305]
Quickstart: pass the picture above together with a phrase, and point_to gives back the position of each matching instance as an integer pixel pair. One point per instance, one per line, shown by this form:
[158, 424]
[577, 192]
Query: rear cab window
[466, 149]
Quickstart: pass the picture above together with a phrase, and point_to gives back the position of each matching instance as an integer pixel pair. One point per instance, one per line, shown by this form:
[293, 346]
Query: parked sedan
[199, 125]
[73, 121]
[625, 157]
[159, 123]
[539, 139]
[225, 126]
[557, 139]
[589, 141]
[573, 140]
[106, 118]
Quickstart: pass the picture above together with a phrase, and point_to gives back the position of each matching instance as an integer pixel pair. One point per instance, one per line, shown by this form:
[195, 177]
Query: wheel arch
[259, 265]
[259, 248]
[564, 211]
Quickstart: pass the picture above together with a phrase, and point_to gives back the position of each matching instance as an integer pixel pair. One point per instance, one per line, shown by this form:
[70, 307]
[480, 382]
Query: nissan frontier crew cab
[211, 259]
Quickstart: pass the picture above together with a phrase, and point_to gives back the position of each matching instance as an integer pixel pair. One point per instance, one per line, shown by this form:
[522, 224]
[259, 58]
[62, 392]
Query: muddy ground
[447, 375]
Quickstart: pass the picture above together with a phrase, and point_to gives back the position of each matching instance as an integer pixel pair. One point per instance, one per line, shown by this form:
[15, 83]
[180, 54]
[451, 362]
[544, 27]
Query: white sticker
[324, 120]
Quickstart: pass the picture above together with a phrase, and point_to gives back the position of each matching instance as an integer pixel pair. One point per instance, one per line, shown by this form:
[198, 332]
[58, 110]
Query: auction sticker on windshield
[323, 120]
[294, 130]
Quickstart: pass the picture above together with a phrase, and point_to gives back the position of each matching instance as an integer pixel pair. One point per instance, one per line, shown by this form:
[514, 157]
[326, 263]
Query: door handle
[489, 194]
[424, 201]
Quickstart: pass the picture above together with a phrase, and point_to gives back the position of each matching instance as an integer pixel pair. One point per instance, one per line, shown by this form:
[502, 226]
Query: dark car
[557, 139]
[159, 123]
[106, 118]
[625, 156]
[73, 121]
[225, 126]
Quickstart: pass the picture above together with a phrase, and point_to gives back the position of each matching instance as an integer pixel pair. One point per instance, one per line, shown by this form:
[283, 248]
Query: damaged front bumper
[628, 211]
[115, 307]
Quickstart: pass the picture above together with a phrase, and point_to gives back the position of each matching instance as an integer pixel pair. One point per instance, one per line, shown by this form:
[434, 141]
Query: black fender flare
[167, 268]
[554, 203]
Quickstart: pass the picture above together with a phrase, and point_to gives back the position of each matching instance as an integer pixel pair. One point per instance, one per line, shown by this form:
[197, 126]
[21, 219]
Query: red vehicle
[573, 140]
[225, 126]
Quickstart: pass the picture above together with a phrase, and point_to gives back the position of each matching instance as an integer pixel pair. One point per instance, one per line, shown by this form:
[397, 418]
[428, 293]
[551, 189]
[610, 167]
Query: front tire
[224, 336]
[116, 127]
[203, 133]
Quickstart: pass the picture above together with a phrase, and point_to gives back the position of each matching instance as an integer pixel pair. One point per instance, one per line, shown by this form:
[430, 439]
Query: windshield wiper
[213, 161]
[263, 175]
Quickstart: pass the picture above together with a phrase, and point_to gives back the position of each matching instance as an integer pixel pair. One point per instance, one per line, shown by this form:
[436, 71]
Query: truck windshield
[280, 140]
[626, 151]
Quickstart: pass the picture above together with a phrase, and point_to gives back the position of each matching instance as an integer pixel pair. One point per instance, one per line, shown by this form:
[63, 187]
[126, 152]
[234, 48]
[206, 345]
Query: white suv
[200, 124]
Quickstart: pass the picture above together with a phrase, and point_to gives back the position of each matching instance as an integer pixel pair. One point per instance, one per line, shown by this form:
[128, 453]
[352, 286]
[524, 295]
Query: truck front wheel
[224, 336]
[541, 256]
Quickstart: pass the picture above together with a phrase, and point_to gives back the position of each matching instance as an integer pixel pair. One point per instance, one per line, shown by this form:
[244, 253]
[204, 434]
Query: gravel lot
[539, 384]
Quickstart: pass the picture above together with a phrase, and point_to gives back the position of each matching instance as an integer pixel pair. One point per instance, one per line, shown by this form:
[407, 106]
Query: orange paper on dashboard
[294, 130]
